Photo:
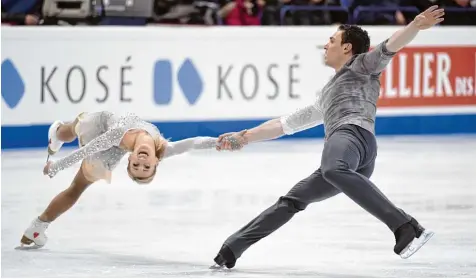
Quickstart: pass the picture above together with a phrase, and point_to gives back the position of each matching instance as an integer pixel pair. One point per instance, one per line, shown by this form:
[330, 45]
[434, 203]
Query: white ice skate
[416, 244]
[35, 236]
[54, 144]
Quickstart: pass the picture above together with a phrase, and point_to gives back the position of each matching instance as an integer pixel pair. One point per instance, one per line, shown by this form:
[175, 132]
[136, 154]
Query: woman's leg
[59, 133]
[59, 205]
[66, 132]
[66, 199]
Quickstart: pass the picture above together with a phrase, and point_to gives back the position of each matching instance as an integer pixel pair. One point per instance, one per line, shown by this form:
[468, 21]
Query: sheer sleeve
[103, 142]
[302, 119]
[182, 146]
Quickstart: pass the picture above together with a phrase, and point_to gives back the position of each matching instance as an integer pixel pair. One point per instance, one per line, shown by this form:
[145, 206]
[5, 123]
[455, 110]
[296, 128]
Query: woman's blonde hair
[160, 145]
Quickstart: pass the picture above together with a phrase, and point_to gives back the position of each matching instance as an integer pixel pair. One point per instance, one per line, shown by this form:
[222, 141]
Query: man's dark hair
[356, 36]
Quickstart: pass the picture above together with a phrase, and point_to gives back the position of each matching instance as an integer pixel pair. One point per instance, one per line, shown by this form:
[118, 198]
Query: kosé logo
[13, 87]
[188, 79]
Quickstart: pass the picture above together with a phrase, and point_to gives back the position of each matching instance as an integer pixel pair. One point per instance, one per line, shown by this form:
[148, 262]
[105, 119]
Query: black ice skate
[224, 258]
[410, 237]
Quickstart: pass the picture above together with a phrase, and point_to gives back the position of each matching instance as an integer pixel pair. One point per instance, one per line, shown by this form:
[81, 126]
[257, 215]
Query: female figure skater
[104, 139]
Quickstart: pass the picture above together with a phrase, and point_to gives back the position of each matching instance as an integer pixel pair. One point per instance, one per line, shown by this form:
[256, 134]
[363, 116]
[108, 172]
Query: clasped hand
[232, 141]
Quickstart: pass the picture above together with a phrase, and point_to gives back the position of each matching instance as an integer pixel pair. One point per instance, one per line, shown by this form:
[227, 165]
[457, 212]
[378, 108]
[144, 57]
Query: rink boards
[206, 81]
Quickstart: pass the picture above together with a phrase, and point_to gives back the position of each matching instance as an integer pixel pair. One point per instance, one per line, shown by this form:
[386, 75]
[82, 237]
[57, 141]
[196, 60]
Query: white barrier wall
[215, 79]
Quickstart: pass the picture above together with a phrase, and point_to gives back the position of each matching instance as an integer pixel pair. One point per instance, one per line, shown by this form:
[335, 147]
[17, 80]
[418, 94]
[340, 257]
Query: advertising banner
[218, 76]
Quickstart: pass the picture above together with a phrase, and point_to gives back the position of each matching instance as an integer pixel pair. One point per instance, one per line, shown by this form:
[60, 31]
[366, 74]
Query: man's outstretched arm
[299, 120]
[425, 20]
[375, 61]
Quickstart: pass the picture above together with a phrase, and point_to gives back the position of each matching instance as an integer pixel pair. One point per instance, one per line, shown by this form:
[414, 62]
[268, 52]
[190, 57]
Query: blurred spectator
[459, 18]
[208, 11]
[191, 12]
[420, 5]
[314, 17]
[30, 15]
[327, 17]
[299, 17]
[256, 12]
[270, 14]
[174, 11]
[381, 17]
[242, 12]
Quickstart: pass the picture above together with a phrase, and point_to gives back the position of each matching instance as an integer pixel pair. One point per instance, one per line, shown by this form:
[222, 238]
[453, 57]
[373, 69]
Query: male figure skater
[347, 108]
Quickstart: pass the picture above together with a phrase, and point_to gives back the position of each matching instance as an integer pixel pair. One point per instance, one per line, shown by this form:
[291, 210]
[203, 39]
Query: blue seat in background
[123, 21]
[18, 6]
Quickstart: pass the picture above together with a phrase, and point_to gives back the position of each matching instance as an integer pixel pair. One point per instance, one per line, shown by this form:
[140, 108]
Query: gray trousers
[347, 163]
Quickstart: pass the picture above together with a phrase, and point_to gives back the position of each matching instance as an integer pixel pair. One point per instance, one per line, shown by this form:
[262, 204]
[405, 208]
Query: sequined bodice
[105, 147]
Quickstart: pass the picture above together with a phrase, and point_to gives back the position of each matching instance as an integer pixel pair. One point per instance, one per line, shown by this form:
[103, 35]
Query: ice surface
[174, 227]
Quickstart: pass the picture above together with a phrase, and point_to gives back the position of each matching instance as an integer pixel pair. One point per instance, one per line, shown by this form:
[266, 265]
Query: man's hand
[429, 18]
[232, 141]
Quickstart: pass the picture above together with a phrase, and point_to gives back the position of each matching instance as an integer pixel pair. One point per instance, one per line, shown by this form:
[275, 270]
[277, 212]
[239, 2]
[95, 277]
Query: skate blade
[218, 267]
[416, 244]
[27, 244]
[28, 247]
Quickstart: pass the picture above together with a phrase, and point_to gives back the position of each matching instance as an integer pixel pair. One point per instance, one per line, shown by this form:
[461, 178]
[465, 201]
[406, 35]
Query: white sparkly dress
[99, 136]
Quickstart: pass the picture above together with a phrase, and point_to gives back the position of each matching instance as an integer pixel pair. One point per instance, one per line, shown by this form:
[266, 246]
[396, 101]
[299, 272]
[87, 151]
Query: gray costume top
[108, 130]
[350, 97]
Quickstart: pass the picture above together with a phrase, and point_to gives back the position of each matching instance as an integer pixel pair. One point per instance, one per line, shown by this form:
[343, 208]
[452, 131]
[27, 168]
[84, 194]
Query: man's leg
[346, 152]
[343, 155]
[367, 171]
[311, 189]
